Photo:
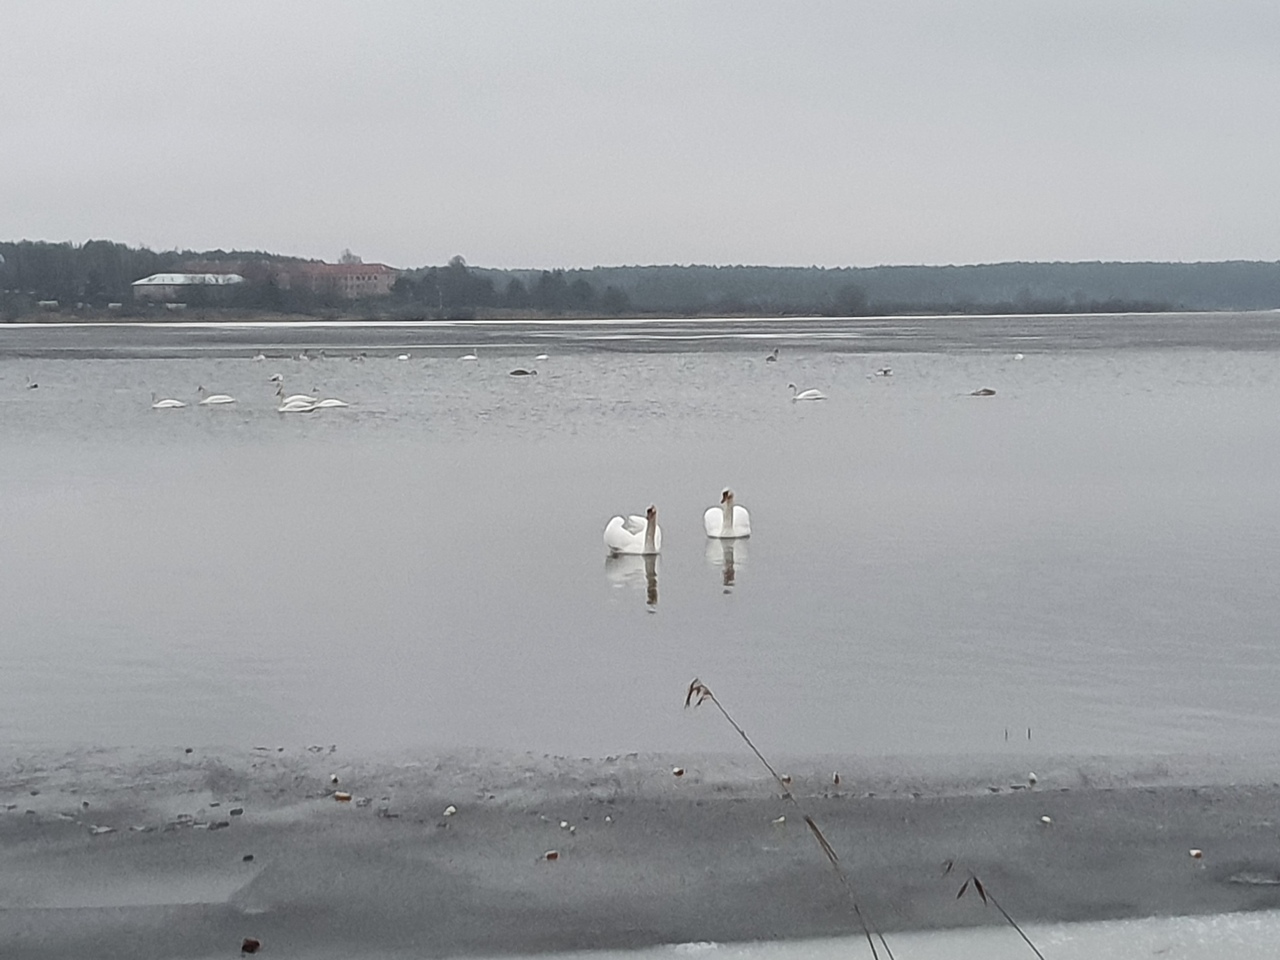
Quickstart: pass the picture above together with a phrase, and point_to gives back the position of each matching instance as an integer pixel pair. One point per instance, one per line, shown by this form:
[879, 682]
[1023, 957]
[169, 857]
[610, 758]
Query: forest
[95, 275]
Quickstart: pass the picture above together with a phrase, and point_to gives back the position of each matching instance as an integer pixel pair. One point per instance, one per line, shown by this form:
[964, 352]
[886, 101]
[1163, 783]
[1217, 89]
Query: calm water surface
[1091, 553]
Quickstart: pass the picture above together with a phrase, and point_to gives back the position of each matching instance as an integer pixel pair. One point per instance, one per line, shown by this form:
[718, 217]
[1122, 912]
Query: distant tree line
[458, 290]
[95, 272]
[100, 272]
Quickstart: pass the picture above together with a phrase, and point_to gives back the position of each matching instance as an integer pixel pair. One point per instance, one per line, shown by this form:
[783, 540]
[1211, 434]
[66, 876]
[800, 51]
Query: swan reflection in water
[623, 569]
[729, 555]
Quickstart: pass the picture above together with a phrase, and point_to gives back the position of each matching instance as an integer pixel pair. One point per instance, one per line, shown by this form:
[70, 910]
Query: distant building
[172, 287]
[350, 281]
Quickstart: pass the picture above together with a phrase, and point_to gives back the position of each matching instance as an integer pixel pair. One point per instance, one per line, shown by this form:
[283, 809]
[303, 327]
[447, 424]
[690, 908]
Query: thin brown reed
[699, 693]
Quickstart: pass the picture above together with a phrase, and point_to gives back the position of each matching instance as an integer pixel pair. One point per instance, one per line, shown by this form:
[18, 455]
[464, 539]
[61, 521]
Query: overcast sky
[559, 133]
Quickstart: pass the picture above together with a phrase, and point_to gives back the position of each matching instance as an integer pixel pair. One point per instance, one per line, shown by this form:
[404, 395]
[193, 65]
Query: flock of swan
[624, 531]
[306, 403]
[641, 536]
[293, 403]
[207, 399]
[296, 402]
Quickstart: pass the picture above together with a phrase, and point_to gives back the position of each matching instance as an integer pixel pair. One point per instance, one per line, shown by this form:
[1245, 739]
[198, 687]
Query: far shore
[317, 854]
[382, 314]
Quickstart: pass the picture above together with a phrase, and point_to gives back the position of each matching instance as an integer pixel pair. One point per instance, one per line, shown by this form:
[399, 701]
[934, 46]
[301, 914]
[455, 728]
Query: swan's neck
[650, 531]
[726, 508]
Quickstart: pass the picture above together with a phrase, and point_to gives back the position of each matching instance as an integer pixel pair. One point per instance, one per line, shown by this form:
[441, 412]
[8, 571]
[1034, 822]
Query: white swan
[331, 402]
[806, 394]
[469, 356]
[304, 397]
[636, 535]
[541, 356]
[158, 404]
[210, 399]
[403, 356]
[259, 357]
[727, 521]
[296, 406]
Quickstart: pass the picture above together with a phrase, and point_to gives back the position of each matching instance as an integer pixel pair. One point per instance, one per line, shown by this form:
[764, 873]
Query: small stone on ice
[341, 796]
[551, 855]
[1196, 853]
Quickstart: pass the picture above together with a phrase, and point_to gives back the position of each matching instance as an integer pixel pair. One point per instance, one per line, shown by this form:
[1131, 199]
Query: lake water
[1090, 554]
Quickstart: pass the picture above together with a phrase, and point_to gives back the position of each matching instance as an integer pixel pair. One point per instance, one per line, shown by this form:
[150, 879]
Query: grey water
[1087, 558]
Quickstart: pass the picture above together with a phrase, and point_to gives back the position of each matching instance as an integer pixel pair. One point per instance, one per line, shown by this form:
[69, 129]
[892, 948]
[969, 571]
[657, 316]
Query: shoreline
[212, 317]
[129, 854]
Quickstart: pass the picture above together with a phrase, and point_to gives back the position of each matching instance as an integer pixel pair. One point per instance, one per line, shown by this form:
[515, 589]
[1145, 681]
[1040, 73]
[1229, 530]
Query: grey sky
[560, 133]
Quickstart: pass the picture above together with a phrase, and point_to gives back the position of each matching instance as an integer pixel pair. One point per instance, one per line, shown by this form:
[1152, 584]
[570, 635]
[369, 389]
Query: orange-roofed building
[351, 281]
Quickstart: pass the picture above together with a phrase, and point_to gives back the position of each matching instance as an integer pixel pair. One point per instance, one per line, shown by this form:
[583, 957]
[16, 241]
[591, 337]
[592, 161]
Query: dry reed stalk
[989, 898]
[699, 693]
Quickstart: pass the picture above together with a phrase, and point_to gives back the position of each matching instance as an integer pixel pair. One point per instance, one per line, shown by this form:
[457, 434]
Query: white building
[178, 286]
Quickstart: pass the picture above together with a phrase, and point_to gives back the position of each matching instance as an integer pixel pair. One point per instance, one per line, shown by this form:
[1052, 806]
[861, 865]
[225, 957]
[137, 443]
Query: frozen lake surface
[1176, 938]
